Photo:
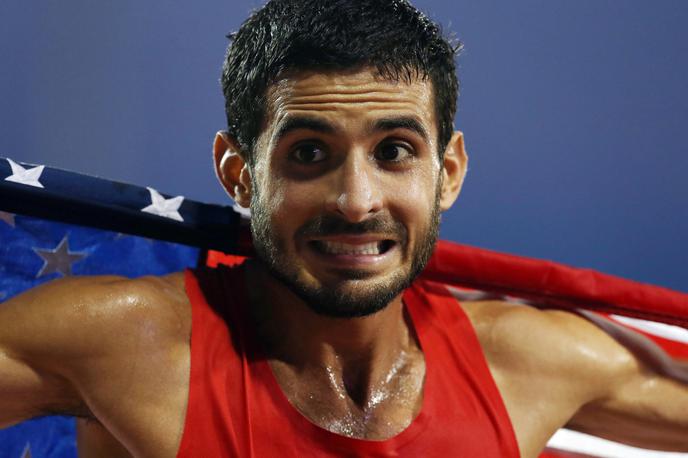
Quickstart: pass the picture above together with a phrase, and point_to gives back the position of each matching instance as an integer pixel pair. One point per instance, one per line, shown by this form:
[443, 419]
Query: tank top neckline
[262, 367]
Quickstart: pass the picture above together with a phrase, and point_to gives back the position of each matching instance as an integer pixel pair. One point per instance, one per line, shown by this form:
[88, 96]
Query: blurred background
[575, 114]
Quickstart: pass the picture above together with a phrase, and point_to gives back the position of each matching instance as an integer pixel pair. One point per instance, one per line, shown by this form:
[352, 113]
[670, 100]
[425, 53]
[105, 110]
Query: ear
[454, 170]
[232, 169]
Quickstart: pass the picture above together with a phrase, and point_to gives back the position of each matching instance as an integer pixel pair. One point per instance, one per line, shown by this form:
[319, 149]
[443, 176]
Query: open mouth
[362, 249]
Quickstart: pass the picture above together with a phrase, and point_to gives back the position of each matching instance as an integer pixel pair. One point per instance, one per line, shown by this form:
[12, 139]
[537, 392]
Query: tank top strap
[213, 425]
[457, 371]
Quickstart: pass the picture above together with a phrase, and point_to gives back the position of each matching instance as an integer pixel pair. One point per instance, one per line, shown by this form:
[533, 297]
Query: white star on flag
[167, 208]
[28, 177]
[27, 451]
[58, 260]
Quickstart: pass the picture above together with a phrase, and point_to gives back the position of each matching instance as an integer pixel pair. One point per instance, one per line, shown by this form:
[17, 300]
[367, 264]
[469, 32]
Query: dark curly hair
[334, 35]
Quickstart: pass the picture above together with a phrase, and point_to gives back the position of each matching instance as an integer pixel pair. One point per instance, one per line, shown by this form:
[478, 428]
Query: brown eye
[393, 152]
[308, 154]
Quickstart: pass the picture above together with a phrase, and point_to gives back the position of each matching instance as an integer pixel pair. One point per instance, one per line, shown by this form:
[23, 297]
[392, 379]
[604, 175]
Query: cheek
[413, 198]
[289, 204]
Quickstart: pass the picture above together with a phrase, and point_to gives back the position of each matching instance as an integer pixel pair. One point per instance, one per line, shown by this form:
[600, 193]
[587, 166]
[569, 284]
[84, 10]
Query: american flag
[55, 223]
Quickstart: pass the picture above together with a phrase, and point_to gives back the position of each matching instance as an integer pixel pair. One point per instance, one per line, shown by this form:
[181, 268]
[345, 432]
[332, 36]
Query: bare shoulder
[553, 343]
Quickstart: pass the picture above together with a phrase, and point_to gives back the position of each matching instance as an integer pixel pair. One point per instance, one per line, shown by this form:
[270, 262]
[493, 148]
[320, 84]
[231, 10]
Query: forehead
[349, 98]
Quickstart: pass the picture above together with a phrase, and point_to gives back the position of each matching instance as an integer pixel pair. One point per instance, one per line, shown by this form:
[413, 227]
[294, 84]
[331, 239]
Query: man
[341, 143]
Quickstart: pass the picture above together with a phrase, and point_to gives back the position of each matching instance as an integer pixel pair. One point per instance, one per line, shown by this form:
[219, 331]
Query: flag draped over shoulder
[55, 223]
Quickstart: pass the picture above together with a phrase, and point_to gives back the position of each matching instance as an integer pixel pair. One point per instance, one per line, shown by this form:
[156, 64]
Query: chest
[376, 412]
[241, 406]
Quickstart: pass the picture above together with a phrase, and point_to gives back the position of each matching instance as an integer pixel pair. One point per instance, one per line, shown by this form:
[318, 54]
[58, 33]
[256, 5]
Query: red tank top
[237, 409]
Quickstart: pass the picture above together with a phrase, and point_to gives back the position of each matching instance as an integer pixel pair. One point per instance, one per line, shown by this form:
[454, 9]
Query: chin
[359, 295]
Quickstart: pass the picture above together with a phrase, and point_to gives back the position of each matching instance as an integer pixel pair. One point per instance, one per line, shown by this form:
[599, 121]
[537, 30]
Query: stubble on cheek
[265, 243]
[274, 217]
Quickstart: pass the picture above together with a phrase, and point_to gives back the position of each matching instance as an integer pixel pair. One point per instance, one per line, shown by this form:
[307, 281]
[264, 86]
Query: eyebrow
[302, 122]
[402, 122]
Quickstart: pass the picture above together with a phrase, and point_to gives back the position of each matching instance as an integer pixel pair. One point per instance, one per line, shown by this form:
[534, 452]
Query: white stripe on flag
[667, 331]
[573, 441]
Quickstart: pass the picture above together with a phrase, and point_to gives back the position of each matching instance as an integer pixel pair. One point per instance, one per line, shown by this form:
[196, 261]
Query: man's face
[345, 202]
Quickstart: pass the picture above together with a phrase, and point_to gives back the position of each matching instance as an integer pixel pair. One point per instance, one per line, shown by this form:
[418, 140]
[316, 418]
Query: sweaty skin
[117, 350]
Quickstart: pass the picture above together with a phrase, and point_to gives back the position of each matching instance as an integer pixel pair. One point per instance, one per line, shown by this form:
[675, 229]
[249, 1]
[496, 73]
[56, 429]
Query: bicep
[578, 370]
[27, 392]
[646, 410]
[633, 400]
[38, 339]
[645, 400]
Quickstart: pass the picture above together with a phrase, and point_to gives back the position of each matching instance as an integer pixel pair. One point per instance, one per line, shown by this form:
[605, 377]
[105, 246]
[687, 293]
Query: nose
[357, 193]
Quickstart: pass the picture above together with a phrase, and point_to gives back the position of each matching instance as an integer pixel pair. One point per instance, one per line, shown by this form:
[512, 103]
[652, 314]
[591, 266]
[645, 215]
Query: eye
[393, 152]
[308, 153]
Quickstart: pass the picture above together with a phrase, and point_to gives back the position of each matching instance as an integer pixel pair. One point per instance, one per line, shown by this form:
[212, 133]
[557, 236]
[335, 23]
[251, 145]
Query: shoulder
[556, 344]
[82, 316]
[106, 299]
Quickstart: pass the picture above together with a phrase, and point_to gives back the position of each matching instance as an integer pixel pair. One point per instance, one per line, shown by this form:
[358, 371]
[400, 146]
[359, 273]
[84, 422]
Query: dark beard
[333, 302]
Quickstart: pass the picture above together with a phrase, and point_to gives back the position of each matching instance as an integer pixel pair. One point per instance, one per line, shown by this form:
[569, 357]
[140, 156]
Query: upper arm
[58, 337]
[621, 397]
[556, 368]
[36, 345]
[640, 406]
[27, 391]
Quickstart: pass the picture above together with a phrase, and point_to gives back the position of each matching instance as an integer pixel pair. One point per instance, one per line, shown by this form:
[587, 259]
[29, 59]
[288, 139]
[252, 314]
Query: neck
[361, 352]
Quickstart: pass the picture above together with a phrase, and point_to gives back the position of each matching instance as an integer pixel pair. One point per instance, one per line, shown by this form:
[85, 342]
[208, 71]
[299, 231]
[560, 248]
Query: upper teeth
[346, 248]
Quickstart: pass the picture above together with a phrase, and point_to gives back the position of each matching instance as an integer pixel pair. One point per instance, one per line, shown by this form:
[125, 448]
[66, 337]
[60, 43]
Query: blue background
[575, 114]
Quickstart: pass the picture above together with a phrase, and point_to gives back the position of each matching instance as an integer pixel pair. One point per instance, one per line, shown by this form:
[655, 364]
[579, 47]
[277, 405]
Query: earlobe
[454, 169]
[232, 169]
